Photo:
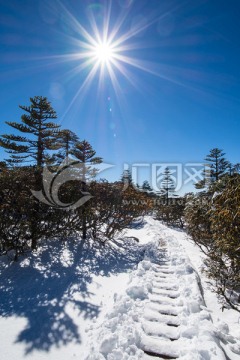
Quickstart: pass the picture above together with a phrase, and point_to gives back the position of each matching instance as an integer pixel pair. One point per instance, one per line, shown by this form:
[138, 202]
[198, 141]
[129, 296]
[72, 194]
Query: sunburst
[103, 51]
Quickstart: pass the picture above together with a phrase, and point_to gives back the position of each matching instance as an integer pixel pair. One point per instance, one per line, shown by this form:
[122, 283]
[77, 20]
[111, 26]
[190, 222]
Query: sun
[103, 52]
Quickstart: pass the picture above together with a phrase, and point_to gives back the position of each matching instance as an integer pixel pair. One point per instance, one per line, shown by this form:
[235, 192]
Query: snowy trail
[163, 314]
[125, 301]
[174, 326]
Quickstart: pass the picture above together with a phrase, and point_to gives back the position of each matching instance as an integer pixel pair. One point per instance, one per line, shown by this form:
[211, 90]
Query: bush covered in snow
[213, 221]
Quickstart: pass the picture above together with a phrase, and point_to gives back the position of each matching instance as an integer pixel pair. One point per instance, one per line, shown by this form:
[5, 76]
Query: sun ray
[106, 23]
[82, 88]
[117, 27]
[78, 27]
[95, 30]
[101, 50]
[107, 49]
[118, 91]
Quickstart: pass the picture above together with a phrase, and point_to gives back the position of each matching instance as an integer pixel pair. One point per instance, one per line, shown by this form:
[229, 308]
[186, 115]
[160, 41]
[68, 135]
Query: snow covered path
[163, 314]
[128, 300]
[175, 323]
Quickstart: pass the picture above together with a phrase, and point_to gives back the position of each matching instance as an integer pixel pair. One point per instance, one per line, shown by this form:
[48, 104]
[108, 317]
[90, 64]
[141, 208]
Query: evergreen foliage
[167, 184]
[42, 134]
[66, 139]
[126, 178]
[85, 154]
[216, 167]
[170, 211]
[146, 186]
[213, 221]
[198, 220]
[225, 227]
[114, 208]
[19, 224]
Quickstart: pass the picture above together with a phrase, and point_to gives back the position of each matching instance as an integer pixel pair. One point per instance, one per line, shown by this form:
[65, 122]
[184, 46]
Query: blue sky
[177, 99]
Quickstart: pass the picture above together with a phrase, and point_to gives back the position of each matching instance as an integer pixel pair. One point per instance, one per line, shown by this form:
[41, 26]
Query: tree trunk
[84, 227]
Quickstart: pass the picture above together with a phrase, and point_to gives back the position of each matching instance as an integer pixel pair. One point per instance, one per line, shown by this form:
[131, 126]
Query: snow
[227, 322]
[127, 300]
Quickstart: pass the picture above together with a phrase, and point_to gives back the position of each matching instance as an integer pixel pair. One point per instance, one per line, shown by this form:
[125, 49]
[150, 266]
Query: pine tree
[146, 186]
[42, 134]
[66, 139]
[85, 154]
[126, 178]
[236, 168]
[33, 149]
[167, 184]
[216, 165]
[3, 165]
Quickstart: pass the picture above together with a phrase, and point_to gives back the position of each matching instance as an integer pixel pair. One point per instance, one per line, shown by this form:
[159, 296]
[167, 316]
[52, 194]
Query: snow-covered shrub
[224, 259]
[197, 218]
[113, 208]
[171, 211]
[213, 221]
[22, 218]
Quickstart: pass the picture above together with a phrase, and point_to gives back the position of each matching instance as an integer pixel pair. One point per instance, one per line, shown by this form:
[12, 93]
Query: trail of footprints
[161, 323]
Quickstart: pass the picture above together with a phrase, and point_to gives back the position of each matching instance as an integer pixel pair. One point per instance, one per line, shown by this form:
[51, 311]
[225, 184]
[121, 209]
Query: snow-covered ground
[124, 301]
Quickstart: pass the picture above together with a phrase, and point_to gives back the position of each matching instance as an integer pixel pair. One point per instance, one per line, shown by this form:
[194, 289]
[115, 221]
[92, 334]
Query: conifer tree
[126, 178]
[33, 148]
[3, 165]
[84, 152]
[236, 168]
[146, 186]
[41, 132]
[167, 184]
[66, 139]
[216, 165]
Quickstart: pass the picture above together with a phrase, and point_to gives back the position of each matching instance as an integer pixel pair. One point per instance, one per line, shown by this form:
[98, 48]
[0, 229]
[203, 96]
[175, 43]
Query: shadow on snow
[41, 287]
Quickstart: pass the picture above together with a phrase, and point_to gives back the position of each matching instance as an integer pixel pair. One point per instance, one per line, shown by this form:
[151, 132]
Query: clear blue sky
[177, 99]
